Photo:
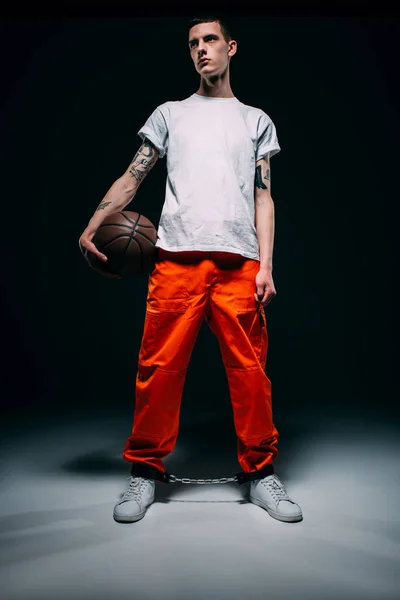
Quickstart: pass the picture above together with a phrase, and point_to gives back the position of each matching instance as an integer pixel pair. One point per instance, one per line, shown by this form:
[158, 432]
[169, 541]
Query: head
[210, 38]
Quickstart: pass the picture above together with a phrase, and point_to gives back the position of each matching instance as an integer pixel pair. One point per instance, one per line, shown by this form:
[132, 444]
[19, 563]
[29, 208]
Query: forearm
[265, 227]
[125, 187]
[118, 196]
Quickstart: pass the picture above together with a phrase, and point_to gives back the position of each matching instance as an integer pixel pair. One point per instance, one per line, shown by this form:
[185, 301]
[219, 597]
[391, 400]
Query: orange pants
[184, 288]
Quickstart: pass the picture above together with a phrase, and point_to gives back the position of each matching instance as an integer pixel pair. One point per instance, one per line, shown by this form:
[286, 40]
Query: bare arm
[143, 161]
[125, 187]
[264, 212]
[119, 195]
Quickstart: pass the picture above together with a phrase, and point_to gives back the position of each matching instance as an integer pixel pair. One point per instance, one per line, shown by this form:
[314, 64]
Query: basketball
[128, 240]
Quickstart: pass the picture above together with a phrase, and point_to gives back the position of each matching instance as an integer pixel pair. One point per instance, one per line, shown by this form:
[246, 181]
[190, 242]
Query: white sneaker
[136, 500]
[270, 494]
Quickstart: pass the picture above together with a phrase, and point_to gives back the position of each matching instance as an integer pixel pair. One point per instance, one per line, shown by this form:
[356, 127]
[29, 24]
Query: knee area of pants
[145, 372]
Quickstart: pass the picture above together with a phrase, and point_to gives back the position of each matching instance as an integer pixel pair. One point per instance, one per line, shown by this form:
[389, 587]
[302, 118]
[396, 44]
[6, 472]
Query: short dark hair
[210, 18]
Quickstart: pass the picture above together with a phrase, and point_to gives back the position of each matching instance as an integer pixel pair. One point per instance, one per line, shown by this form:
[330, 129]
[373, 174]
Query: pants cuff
[243, 477]
[149, 472]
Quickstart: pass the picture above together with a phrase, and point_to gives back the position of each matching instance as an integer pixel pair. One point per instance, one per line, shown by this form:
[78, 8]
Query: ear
[232, 48]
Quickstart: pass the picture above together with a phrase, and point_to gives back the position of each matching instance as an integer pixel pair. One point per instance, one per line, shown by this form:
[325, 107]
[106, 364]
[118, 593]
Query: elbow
[129, 184]
[265, 200]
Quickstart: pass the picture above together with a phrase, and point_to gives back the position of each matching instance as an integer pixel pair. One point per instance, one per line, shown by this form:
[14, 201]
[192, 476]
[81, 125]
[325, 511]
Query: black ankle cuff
[243, 477]
[142, 470]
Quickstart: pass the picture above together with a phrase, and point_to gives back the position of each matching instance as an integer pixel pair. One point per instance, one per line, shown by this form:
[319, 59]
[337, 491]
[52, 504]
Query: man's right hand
[86, 245]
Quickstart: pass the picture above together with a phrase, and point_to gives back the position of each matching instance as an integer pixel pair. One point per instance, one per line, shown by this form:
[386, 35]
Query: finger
[92, 248]
[82, 248]
[268, 299]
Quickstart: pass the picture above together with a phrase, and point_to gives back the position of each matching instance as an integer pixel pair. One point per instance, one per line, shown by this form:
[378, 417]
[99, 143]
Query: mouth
[203, 61]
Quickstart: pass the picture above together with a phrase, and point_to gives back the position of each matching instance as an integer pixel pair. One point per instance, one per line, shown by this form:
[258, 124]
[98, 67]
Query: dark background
[75, 91]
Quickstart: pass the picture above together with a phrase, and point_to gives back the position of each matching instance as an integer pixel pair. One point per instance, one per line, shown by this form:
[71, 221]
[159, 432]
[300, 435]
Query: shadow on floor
[206, 450]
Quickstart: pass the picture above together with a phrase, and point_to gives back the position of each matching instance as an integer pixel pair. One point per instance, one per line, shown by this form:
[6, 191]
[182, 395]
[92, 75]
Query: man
[214, 262]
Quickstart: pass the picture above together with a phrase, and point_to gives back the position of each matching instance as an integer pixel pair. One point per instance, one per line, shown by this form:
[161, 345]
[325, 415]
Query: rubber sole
[275, 515]
[131, 519]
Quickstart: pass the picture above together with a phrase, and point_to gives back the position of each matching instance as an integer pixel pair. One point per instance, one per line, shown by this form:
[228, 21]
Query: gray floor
[58, 538]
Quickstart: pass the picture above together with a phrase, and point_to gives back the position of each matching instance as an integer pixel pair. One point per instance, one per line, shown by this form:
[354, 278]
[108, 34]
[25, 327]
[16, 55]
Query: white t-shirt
[212, 146]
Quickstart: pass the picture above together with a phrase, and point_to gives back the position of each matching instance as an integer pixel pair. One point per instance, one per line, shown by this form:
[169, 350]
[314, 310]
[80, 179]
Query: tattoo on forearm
[259, 181]
[143, 161]
[103, 205]
[267, 175]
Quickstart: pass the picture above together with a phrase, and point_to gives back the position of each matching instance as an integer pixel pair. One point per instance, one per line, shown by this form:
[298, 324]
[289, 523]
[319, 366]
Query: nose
[200, 50]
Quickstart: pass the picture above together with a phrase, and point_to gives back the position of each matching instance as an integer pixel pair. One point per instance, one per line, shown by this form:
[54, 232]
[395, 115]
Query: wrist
[266, 267]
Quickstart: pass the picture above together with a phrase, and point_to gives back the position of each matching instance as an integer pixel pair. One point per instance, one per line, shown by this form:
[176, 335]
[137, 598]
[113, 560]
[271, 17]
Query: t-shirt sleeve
[267, 139]
[156, 130]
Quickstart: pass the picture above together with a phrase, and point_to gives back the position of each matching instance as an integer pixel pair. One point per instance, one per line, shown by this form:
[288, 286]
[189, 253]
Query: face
[206, 41]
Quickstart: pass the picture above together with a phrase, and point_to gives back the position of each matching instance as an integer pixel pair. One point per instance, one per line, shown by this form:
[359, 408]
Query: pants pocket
[253, 322]
[264, 336]
[168, 288]
[165, 338]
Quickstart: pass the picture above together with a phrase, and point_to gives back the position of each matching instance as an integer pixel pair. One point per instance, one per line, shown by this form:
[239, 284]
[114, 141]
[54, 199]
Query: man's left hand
[265, 287]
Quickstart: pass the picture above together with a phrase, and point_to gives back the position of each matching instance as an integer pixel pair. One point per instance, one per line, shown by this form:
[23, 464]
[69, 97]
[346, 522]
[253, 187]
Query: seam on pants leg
[171, 370]
[256, 368]
[264, 438]
[144, 372]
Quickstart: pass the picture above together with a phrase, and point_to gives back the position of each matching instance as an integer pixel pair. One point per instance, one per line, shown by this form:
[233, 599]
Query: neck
[218, 87]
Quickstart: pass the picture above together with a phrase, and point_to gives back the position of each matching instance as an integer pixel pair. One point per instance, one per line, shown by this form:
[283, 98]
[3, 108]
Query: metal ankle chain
[165, 477]
[174, 479]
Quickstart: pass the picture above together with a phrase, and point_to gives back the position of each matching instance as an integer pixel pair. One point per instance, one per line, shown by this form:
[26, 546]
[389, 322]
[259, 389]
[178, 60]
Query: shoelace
[275, 488]
[135, 488]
